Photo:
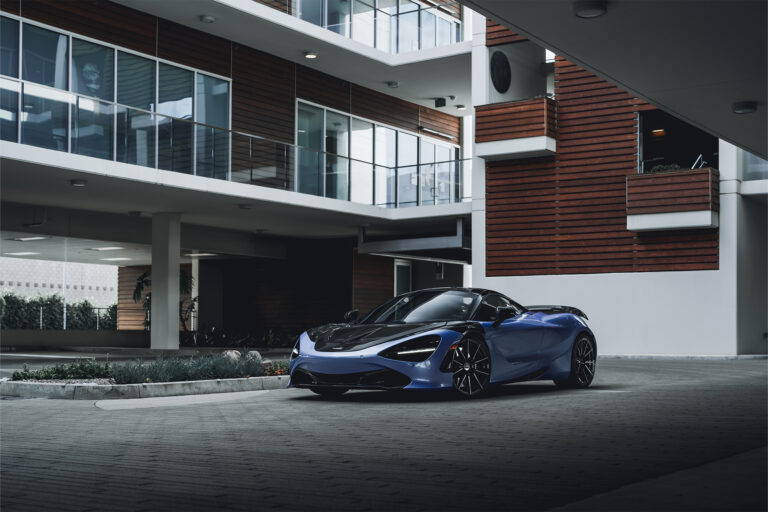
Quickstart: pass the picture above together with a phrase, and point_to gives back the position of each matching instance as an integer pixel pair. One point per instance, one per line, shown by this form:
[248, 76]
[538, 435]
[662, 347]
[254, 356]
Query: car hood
[348, 338]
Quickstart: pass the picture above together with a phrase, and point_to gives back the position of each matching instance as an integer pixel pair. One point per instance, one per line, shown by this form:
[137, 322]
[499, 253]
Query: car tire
[329, 392]
[583, 363]
[471, 367]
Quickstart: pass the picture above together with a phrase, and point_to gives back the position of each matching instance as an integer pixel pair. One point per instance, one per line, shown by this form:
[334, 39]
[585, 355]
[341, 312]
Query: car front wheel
[583, 359]
[471, 367]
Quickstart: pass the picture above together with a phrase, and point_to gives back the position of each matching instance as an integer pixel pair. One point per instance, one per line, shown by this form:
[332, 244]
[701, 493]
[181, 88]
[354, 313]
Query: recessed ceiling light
[20, 253]
[393, 84]
[200, 254]
[244, 206]
[115, 259]
[134, 213]
[589, 8]
[659, 132]
[107, 248]
[207, 18]
[744, 107]
[461, 107]
[78, 183]
[310, 55]
[29, 238]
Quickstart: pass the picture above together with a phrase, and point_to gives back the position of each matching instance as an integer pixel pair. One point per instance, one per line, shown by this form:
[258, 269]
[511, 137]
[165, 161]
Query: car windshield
[425, 306]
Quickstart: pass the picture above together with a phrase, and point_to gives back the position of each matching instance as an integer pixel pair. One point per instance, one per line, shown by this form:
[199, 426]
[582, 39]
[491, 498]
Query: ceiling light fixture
[589, 8]
[659, 132]
[20, 253]
[115, 259]
[78, 183]
[310, 55]
[744, 107]
[134, 213]
[200, 254]
[29, 238]
[207, 18]
[107, 248]
[244, 206]
[393, 84]
[461, 107]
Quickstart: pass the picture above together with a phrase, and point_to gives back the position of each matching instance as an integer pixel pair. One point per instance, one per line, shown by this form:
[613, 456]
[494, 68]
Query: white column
[166, 247]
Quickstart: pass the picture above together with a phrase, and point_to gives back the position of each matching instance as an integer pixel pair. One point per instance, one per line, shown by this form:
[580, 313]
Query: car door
[515, 342]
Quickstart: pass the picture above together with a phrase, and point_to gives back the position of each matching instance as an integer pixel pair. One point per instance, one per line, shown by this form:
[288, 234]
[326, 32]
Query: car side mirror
[502, 313]
[351, 315]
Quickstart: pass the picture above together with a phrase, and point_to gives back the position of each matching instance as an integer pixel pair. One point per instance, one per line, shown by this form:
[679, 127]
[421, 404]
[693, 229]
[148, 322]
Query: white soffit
[516, 148]
[676, 220]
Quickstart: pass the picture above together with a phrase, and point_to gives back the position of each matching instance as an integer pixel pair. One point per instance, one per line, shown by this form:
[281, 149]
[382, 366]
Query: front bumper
[366, 369]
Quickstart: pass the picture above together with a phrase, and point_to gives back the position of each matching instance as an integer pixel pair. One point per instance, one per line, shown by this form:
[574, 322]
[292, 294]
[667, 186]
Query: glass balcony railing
[63, 121]
[755, 168]
[391, 26]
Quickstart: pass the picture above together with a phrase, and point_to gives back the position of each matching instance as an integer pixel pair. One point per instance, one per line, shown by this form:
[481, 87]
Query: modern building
[303, 158]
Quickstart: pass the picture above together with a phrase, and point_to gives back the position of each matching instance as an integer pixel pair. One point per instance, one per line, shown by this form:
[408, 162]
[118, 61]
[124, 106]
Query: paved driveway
[649, 435]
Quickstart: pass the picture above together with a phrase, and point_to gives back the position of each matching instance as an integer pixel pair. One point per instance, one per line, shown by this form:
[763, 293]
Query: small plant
[174, 369]
[665, 167]
[81, 369]
[277, 368]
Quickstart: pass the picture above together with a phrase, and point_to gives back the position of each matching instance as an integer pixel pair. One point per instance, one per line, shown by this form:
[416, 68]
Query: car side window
[487, 311]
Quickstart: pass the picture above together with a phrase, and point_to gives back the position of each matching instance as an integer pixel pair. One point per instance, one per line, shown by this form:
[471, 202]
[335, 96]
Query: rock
[253, 354]
[232, 355]
[266, 363]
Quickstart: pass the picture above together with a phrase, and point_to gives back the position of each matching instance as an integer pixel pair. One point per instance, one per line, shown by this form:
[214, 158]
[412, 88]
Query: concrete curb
[153, 389]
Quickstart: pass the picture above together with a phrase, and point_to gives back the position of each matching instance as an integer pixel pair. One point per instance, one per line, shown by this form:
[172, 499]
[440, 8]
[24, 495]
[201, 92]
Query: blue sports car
[466, 339]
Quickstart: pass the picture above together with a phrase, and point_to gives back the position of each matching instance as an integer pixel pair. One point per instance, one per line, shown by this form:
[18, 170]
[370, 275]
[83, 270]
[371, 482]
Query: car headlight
[295, 352]
[415, 350]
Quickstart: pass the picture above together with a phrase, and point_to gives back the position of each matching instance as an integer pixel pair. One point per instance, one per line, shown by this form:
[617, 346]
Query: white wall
[753, 276]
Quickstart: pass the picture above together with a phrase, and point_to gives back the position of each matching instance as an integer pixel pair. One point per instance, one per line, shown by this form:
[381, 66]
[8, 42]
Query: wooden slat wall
[567, 214]
[515, 120]
[10, 6]
[130, 315]
[98, 19]
[280, 5]
[263, 98]
[326, 90]
[380, 107]
[496, 34]
[683, 191]
[440, 122]
[450, 7]
[193, 48]
[372, 281]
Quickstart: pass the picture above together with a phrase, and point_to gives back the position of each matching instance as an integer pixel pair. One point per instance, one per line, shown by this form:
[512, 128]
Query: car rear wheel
[329, 392]
[583, 359]
[471, 367]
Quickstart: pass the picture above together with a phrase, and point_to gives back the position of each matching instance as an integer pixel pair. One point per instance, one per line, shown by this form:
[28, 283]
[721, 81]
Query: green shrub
[23, 313]
[174, 369]
[80, 369]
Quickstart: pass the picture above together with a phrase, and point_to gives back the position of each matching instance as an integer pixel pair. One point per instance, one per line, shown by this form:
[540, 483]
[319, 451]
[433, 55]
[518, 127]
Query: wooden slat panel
[496, 34]
[130, 315]
[504, 121]
[683, 191]
[326, 90]
[11, 6]
[262, 94]
[450, 7]
[279, 5]
[385, 109]
[193, 48]
[567, 214]
[98, 19]
[439, 122]
[372, 281]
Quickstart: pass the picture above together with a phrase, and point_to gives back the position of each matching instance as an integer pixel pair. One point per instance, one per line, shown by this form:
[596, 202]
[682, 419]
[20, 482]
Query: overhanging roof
[693, 59]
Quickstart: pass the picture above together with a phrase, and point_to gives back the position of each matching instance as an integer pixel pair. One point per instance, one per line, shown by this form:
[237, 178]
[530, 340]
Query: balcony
[403, 27]
[687, 199]
[53, 119]
[518, 129]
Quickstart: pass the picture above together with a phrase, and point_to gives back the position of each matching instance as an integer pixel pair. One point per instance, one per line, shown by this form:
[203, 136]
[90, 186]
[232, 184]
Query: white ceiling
[693, 59]
[423, 76]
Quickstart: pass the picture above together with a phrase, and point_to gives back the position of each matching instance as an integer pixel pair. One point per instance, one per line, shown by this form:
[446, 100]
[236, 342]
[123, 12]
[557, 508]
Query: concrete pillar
[166, 248]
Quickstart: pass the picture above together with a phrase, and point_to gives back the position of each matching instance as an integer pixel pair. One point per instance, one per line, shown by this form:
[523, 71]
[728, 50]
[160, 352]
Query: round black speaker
[501, 73]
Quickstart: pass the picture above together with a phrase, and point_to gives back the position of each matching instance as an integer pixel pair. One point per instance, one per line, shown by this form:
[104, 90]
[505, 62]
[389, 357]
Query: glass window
[309, 138]
[337, 149]
[427, 172]
[311, 11]
[488, 309]
[386, 163]
[402, 277]
[443, 32]
[338, 16]
[135, 81]
[212, 143]
[9, 108]
[135, 137]
[457, 30]
[408, 27]
[361, 172]
[755, 168]
[385, 17]
[407, 169]
[443, 174]
[175, 86]
[9, 47]
[93, 70]
[92, 128]
[363, 22]
[44, 117]
[44, 57]
[428, 29]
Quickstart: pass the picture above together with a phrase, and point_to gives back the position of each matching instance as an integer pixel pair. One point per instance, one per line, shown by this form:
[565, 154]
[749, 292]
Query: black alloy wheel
[583, 362]
[471, 367]
[329, 392]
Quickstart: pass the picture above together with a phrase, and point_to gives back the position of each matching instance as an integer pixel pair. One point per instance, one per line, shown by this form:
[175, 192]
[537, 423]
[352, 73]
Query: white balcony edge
[516, 148]
[674, 220]
[754, 188]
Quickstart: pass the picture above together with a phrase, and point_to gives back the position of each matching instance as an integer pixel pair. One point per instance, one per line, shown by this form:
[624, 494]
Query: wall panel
[193, 48]
[496, 34]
